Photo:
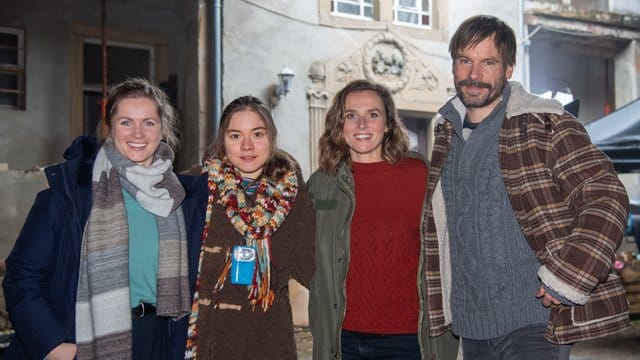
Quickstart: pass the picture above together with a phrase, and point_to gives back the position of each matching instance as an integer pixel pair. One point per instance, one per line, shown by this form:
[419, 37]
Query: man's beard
[479, 102]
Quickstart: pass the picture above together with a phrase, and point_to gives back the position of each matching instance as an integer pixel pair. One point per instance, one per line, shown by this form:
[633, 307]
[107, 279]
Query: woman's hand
[64, 351]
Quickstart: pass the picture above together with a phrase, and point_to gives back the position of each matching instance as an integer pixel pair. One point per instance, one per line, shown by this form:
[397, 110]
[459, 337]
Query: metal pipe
[216, 65]
[103, 48]
[524, 46]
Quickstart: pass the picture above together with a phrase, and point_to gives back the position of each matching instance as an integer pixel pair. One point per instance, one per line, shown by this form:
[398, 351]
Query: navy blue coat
[41, 280]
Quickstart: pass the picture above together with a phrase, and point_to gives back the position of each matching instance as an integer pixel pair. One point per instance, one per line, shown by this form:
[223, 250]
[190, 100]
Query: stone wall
[18, 189]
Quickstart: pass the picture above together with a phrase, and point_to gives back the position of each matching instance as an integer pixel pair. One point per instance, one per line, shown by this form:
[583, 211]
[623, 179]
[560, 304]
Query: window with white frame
[412, 12]
[355, 8]
[12, 77]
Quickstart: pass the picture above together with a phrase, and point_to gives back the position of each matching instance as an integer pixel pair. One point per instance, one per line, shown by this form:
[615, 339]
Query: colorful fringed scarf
[255, 223]
[103, 310]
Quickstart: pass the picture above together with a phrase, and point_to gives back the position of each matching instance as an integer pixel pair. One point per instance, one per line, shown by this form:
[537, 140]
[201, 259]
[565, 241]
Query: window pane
[12, 93]
[349, 9]
[92, 62]
[411, 18]
[10, 40]
[425, 20]
[9, 81]
[425, 5]
[122, 62]
[368, 12]
[408, 3]
[8, 99]
[368, 1]
[8, 56]
[91, 107]
[125, 62]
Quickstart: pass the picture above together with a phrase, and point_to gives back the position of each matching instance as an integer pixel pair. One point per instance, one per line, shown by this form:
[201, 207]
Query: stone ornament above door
[386, 59]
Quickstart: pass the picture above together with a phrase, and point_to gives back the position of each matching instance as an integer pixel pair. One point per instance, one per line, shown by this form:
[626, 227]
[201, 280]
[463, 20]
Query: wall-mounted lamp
[285, 79]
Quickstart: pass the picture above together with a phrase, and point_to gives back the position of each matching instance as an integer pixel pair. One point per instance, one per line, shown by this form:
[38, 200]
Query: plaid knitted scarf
[103, 310]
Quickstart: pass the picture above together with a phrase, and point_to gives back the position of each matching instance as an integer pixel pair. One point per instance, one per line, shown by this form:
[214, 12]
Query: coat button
[339, 260]
[335, 306]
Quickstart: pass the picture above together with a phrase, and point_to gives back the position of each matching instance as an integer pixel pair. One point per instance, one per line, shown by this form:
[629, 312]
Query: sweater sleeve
[599, 205]
[28, 280]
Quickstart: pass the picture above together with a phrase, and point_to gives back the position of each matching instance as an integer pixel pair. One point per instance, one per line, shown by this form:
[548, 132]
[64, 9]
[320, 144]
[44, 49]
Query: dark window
[12, 78]
[123, 61]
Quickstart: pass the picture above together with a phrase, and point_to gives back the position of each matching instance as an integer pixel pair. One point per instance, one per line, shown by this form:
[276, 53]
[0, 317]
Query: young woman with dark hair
[258, 233]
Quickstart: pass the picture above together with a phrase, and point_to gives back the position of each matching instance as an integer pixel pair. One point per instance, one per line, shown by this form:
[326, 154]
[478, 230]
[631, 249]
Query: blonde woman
[100, 268]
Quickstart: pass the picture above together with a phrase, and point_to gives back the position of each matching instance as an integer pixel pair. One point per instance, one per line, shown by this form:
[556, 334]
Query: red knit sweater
[382, 293]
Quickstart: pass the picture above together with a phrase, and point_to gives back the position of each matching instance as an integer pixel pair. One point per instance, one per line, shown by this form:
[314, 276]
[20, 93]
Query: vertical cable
[103, 35]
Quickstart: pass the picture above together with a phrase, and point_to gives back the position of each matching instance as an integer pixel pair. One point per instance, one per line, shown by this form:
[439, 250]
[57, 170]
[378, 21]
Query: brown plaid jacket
[570, 205]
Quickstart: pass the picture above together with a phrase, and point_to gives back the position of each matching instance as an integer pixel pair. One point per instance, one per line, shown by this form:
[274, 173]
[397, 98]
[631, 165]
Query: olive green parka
[334, 202]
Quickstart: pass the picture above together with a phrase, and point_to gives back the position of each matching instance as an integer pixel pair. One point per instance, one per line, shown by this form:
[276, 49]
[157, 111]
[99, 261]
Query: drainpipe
[524, 48]
[103, 49]
[216, 65]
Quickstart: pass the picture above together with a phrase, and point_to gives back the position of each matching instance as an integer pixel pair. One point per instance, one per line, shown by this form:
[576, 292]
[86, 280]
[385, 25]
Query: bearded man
[524, 208]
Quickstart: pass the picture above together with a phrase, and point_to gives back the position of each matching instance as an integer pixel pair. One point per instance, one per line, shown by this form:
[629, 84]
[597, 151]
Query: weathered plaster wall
[579, 72]
[286, 34]
[16, 194]
[626, 75]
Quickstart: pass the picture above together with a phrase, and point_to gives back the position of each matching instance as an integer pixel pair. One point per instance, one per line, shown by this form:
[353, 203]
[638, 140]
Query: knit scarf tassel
[255, 223]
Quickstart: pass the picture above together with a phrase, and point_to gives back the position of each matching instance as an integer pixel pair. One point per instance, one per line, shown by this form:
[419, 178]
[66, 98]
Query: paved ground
[304, 342]
[622, 346]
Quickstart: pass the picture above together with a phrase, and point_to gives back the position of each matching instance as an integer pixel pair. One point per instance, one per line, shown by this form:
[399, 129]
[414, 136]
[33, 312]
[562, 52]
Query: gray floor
[622, 346]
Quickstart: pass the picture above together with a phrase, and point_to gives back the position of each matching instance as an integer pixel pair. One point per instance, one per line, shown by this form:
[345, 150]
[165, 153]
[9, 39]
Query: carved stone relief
[385, 59]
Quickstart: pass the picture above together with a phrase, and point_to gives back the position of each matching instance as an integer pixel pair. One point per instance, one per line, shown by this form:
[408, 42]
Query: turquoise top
[143, 252]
